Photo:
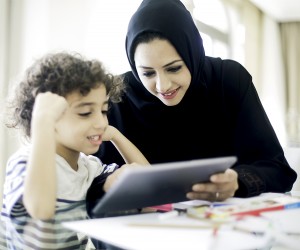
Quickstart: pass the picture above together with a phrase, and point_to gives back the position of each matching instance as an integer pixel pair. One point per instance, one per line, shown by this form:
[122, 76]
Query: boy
[61, 105]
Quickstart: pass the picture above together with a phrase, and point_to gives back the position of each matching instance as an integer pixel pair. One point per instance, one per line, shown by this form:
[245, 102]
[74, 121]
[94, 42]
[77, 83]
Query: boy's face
[81, 127]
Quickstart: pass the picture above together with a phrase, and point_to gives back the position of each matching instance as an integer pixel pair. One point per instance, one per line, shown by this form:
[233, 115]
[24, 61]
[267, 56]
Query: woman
[182, 105]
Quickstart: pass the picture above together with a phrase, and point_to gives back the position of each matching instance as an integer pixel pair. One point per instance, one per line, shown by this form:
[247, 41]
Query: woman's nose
[163, 83]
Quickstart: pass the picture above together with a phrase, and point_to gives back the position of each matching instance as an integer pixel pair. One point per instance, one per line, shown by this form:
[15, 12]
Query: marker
[214, 238]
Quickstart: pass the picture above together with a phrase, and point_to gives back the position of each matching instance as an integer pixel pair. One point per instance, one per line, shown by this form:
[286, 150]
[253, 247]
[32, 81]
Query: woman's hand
[221, 187]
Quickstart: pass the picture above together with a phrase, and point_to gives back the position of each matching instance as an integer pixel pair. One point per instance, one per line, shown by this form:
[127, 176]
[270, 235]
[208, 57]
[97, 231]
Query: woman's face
[162, 71]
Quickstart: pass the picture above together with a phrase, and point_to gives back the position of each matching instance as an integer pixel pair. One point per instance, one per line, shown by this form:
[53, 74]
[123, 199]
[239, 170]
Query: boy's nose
[100, 121]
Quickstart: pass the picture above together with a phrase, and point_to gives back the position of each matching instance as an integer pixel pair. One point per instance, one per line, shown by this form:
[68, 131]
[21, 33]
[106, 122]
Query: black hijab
[171, 19]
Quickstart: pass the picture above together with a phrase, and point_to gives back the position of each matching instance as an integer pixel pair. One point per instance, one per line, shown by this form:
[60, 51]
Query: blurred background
[263, 35]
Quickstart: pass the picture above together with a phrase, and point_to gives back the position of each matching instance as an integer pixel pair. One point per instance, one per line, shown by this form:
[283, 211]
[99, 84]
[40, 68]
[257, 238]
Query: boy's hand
[108, 133]
[110, 180]
[49, 105]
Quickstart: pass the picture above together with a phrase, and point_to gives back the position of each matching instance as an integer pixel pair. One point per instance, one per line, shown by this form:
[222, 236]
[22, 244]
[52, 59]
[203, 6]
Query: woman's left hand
[221, 187]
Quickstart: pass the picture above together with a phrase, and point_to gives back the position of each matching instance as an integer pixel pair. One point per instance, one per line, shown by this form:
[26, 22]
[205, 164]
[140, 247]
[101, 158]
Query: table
[148, 231]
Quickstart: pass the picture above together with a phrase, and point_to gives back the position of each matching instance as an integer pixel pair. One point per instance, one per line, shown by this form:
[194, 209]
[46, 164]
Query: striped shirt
[23, 232]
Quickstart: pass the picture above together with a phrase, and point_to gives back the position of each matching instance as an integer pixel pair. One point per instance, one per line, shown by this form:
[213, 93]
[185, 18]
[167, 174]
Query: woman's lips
[169, 94]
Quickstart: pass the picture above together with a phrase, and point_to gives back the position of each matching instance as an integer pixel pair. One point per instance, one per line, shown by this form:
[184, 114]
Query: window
[215, 19]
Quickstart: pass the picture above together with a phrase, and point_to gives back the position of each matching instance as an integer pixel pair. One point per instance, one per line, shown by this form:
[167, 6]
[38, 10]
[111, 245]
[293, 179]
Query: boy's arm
[131, 155]
[39, 196]
[129, 152]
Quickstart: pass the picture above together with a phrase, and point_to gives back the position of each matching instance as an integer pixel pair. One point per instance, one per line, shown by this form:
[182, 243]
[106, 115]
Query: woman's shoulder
[228, 76]
[228, 66]
[228, 72]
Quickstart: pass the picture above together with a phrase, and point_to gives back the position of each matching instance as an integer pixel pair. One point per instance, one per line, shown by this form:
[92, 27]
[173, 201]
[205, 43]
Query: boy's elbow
[41, 214]
[40, 210]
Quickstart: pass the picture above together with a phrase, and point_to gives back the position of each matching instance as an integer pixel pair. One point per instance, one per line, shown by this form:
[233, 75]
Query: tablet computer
[158, 184]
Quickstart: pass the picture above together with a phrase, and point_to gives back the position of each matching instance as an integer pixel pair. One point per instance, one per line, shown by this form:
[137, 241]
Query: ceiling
[280, 10]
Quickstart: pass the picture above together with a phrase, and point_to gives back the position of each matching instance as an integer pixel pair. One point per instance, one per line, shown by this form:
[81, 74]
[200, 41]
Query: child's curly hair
[60, 73]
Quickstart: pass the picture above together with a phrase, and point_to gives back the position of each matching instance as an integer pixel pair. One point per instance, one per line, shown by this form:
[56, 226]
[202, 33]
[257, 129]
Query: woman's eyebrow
[166, 65]
[170, 63]
[144, 67]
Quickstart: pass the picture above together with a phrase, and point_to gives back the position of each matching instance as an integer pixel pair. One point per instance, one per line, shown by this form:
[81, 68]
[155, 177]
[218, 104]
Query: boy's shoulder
[21, 154]
[90, 160]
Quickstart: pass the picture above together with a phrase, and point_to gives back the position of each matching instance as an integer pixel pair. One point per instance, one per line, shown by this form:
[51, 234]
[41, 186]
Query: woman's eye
[175, 69]
[104, 112]
[148, 74]
[85, 114]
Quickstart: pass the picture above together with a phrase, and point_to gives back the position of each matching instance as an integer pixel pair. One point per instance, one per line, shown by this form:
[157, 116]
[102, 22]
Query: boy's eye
[175, 69]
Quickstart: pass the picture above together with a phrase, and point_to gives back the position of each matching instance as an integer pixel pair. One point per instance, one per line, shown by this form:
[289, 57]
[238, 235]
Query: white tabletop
[149, 231]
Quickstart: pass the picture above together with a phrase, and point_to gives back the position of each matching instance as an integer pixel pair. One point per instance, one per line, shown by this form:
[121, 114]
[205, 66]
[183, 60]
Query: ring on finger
[217, 195]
